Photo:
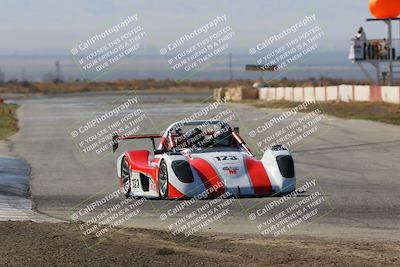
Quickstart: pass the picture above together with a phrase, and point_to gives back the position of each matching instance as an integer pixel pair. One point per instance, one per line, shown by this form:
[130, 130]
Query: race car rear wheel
[163, 180]
[126, 177]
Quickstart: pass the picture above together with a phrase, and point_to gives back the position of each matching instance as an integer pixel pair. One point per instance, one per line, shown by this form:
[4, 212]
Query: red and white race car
[202, 158]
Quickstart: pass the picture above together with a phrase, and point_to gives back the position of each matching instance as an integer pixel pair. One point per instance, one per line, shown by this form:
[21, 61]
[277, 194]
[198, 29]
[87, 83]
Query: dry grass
[121, 85]
[27, 87]
[8, 120]
[383, 112]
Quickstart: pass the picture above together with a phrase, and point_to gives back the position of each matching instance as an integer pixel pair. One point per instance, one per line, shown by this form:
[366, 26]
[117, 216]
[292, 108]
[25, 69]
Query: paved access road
[355, 164]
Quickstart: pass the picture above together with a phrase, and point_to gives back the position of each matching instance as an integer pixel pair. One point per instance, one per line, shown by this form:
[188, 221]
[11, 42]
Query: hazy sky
[50, 25]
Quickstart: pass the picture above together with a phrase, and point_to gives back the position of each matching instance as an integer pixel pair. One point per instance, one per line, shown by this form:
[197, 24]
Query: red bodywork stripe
[258, 176]
[155, 160]
[209, 176]
[171, 141]
[163, 142]
[241, 142]
[174, 193]
[139, 161]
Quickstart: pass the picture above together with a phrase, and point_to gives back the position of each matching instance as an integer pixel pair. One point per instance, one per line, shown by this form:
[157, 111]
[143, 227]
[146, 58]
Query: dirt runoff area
[50, 244]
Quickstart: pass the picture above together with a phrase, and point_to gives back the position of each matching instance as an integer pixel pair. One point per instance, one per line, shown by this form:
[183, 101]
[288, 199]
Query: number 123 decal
[224, 158]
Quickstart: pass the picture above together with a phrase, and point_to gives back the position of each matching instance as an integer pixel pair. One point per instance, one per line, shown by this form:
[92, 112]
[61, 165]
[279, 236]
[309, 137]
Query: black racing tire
[163, 180]
[126, 177]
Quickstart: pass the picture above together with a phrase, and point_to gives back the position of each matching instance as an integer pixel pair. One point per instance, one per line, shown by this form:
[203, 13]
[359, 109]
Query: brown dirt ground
[46, 244]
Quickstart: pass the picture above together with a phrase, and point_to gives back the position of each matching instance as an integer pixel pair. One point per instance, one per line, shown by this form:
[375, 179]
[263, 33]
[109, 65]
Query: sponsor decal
[231, 170]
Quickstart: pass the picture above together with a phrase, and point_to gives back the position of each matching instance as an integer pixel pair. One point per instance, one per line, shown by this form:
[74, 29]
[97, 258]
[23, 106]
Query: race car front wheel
[126, 177]
[163, 180]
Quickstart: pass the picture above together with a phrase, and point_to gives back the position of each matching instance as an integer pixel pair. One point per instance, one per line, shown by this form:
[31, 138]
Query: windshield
[201, 137]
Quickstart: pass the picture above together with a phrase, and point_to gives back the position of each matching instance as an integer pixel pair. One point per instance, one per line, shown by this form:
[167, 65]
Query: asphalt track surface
[355, 164]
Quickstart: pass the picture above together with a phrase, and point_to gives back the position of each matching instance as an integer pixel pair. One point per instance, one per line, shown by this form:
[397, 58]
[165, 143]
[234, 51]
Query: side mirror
[236, 129]
[115, 141]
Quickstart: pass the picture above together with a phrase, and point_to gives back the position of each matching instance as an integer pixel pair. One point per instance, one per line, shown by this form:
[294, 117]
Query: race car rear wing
[116, 138]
